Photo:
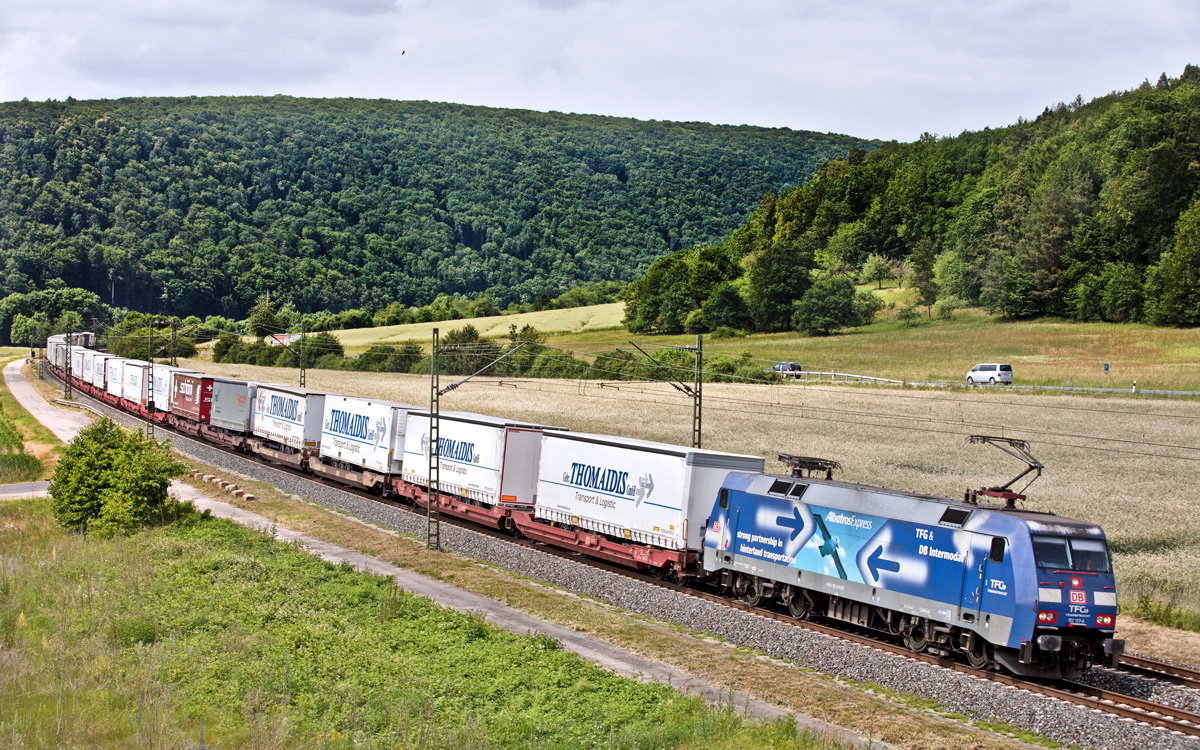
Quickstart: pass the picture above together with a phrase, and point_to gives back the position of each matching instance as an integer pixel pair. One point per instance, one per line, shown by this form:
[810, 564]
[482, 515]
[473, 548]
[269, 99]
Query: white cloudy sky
[876, 70]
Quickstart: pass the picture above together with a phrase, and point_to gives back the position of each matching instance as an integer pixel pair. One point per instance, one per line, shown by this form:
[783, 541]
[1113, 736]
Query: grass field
[1042, 352]
[41, 448]
[574, 319]
[1128, 464]
[208, 631]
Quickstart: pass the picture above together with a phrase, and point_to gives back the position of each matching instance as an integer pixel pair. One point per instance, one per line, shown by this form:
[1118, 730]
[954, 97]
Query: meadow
[1127, 463]
[206, 634]
[574, 319]
[28, 450]
[1043, 352]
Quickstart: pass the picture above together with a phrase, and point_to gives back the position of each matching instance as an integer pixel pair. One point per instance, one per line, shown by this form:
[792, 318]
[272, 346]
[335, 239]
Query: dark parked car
[787, 369]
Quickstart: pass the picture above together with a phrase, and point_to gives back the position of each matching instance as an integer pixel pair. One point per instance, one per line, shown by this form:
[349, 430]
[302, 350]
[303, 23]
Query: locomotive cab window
[1089, 554]
[724, 499]
[1075, 553]
[997, 555]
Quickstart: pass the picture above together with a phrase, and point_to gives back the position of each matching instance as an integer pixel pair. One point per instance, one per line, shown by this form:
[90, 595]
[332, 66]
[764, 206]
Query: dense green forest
[198, 206]
[1090, 211]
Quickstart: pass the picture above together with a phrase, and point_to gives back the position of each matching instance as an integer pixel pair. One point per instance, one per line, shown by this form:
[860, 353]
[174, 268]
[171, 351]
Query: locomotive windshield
[1070, 553]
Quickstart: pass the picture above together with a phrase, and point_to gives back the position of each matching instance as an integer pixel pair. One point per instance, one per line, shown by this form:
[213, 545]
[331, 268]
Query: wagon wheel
[753, 592]
[916, 639]
[799, 606]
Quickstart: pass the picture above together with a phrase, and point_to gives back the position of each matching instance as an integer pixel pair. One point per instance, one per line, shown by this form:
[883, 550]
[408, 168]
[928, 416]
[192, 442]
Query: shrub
[725, 332]
[267, 357]
[910, 316]
[867, 305]
[947, 305]
[110, 481]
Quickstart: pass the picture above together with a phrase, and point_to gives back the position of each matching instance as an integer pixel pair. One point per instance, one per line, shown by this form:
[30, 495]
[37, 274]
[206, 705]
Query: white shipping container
[100, 370]
[164, 379]
[291, 416]
[232, 402]
[483, 458]
[366, 434]
[114, 376]
[56, 351]
[646, 492]
[136, 381]
[77, 355]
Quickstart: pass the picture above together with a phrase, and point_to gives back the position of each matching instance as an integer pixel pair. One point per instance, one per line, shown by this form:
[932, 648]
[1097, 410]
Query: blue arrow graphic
[794, 522]
[876, 563]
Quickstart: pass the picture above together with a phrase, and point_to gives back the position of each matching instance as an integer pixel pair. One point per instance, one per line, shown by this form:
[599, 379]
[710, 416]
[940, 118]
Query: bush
[267, 357]
[946, 307]
[725, 332]
[223, 346]
[110, 481]
[867, 305]
[910, 316]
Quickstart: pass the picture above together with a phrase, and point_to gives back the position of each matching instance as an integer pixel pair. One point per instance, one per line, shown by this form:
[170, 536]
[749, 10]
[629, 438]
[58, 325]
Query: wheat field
[1126, 463]
[575, 319]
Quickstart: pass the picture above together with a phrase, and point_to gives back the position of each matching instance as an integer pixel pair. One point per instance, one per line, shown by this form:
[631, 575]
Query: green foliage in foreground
[110, 481]
[137, 640]
[1168, 614]
[15, 464]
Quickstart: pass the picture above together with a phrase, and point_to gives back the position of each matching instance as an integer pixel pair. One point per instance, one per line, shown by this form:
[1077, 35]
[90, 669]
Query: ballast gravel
[955, 692]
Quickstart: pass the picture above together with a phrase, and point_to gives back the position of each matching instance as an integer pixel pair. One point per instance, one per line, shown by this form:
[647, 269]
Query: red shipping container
[191, 397]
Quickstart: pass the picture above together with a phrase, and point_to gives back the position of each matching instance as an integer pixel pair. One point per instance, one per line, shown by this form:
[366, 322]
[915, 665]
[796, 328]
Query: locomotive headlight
[1105, 621]
[1047, 618]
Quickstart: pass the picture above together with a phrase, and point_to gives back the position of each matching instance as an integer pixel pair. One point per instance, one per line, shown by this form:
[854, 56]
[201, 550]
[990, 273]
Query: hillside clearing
[1042, 352]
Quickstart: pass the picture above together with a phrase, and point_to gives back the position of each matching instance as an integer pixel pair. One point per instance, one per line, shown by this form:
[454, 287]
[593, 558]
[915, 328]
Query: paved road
[594, 649]
[62, 422]
[24, 489]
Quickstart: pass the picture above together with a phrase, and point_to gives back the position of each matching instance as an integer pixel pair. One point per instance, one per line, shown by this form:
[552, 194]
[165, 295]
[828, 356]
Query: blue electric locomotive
[1031, 592]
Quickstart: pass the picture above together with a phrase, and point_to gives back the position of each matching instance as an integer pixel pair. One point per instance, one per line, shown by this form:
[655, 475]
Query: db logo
[1076, 582]
[1079, 597]
[716, 526]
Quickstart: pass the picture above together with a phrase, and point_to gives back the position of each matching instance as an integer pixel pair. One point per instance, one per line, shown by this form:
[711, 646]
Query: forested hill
[332, 204]
[1090, 211]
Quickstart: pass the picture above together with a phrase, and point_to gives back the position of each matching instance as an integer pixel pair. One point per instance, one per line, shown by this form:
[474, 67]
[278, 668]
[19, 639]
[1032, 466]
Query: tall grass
[15, 464]
[209, 628]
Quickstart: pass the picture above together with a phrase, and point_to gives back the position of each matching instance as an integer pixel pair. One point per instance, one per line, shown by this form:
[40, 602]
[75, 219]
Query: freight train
[1030, 593]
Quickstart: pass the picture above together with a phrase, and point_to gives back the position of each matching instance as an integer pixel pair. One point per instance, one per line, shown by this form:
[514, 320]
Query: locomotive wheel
[915, 639]
[752, 594]
[980, 657]
[799, 606]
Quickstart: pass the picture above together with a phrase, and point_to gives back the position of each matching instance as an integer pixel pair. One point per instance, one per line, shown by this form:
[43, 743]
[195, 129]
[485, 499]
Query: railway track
[1145, 666]
[1099, 699]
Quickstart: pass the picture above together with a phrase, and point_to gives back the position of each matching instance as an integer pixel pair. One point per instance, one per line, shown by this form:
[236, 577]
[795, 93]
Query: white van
[990, 373]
